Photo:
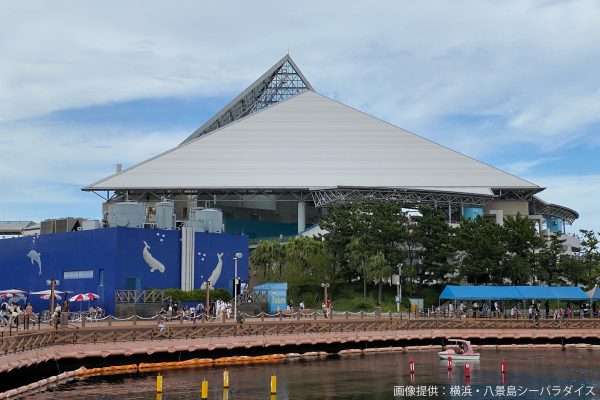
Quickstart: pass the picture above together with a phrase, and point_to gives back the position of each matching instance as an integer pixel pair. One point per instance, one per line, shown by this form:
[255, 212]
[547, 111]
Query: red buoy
[467, 370]
[411, 366]
[449, 362]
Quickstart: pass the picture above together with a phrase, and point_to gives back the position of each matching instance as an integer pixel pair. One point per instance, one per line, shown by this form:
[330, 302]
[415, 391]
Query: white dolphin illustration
[37, 257]
[152, 262]
[214, 277]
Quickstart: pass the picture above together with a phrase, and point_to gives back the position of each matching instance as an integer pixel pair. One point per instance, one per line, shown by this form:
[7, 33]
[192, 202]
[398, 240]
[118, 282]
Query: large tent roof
[311, 142]
[513, 293]
[594, 293]
[480, 293]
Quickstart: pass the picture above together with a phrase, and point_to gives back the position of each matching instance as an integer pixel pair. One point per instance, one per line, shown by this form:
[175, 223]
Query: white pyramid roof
[311, 142]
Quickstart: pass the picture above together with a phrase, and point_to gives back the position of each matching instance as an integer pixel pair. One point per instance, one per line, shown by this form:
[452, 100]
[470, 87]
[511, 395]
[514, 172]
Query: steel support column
[301, 216]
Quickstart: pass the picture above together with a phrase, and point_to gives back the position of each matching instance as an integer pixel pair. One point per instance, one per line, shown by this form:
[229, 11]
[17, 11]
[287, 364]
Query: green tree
[358, 254]
[551, 267]
[386, 229]
[589, 255]
[379, 269]
[521, 242]
[268, 259]
[344, 222]
[574, 270]
[434, 235]
[481, 251]
[311, 257]
[304, 263]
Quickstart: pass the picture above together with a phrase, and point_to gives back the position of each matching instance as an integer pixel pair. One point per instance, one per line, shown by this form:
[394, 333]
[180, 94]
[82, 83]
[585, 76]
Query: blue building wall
[104, 260]
[209, 246]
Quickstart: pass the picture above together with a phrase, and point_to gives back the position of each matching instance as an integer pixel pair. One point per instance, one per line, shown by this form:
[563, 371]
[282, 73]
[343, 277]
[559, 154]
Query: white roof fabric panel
[310, 141]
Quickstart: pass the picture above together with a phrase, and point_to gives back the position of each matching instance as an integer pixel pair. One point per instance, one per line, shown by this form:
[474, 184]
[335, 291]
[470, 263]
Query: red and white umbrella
[9, 295]
[79, 297]
[14, 291]
[92, 296]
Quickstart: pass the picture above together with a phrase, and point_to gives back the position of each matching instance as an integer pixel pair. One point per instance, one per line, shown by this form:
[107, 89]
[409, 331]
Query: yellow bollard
[225, 379]
[159, 383]
[204, 393]
[273, 385]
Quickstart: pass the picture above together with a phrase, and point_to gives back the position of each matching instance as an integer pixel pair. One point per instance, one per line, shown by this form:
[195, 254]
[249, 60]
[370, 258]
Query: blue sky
[84, 86]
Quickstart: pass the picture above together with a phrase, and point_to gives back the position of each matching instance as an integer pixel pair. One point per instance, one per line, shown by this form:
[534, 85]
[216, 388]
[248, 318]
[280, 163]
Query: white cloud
[532, 63]
[78, 155]
[532, 67]
[43, 168]
[524, 166]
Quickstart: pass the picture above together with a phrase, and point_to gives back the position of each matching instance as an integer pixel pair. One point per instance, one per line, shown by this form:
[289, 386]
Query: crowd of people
[217, 310]
[497, 309]
[11, 313]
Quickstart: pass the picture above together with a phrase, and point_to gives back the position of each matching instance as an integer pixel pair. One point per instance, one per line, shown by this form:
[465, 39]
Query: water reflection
[363, 376]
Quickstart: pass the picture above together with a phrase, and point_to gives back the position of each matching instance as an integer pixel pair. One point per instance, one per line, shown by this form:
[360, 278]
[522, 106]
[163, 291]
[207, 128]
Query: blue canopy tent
[553, 293]
[594, 294]
[519, 293]
[480, 293]
[514, 293]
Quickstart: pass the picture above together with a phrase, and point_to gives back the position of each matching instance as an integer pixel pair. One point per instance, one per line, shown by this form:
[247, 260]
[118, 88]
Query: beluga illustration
[214, 277]
[152, 262]
[36, 257]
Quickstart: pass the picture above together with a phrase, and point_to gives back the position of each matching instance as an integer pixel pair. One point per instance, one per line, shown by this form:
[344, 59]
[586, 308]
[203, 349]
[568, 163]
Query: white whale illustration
[152, 262]
[37, 257]
[214, 277]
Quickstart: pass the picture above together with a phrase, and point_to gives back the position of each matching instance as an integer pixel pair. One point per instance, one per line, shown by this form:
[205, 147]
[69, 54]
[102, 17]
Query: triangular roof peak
[282, 81]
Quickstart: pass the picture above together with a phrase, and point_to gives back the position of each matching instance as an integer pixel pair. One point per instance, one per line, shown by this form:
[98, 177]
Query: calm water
[371, 376]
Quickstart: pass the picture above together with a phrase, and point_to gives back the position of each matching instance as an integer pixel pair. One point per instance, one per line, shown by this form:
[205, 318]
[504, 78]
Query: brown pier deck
[125, 339]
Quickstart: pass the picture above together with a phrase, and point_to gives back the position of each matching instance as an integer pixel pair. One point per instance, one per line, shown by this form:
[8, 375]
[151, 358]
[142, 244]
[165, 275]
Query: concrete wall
[510, 207]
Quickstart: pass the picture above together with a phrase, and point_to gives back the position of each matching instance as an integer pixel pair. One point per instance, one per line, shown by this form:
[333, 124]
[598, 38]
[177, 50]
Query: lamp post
[235, 283]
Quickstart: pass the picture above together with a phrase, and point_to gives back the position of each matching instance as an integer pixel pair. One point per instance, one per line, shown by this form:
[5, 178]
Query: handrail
[277, 325]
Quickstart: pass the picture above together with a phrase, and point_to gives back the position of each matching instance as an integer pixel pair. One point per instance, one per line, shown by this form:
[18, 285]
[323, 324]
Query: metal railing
[140, 296]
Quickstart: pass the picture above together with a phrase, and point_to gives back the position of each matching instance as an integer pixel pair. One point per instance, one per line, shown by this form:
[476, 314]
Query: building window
[89, 274]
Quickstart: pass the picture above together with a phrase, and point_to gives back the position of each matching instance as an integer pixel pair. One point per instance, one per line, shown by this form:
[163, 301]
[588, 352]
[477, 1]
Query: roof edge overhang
[540, 207]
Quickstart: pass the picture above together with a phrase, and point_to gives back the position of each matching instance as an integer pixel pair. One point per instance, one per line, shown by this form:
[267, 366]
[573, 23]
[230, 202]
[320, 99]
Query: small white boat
[464, 351]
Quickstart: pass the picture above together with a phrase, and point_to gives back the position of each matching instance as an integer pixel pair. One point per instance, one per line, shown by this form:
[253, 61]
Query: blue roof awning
[480, 293]
[513, 293]
[594, 294]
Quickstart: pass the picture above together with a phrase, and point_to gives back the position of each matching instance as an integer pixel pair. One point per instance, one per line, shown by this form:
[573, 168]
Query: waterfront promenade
[129, 338]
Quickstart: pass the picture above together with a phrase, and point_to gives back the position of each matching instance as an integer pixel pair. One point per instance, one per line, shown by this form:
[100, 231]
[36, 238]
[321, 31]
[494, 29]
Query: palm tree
[379, 268]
